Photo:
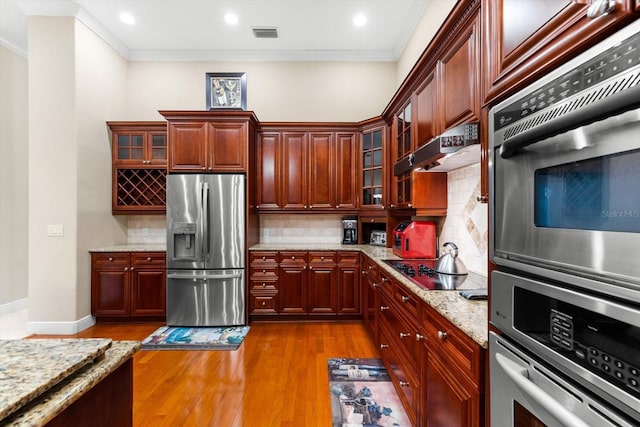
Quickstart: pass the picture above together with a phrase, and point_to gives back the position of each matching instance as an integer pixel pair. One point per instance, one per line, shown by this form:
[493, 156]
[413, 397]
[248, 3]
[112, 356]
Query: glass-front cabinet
[403, 134]
[372, 168]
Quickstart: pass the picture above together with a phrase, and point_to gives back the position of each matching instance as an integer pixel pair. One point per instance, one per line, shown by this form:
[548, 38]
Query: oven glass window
[524, 418]
[601, 194]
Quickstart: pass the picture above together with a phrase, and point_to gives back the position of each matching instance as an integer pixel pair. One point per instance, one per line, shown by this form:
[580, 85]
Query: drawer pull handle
[442, 335]
[383, 346]
[321, 258]
[384, 279]
[264, 285]
[403, 383]
[403, 335]
[419, 337]
[110, 259]
[264, 258]
[293, 258]
[375, 285]
[148, 258]
[370, 267]
[131, 269]
[264, 303]
[383, 308]
[404, 298]
[264, 271]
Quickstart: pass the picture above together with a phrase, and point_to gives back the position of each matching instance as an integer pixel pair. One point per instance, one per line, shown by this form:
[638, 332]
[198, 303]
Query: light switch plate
[55, 230]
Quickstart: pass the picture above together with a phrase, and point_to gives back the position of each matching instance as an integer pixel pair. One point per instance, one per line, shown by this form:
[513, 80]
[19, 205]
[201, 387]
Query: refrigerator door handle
[205, 221]
[205, 276]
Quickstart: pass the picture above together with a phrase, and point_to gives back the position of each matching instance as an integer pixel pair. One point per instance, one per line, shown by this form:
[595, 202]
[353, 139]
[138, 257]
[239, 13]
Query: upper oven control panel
[614, 61]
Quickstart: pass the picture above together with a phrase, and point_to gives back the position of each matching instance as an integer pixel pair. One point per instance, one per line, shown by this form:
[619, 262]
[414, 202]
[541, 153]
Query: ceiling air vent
[265, 32]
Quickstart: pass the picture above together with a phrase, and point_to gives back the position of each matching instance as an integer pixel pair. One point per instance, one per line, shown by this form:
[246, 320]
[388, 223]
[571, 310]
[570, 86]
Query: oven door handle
[519, 375]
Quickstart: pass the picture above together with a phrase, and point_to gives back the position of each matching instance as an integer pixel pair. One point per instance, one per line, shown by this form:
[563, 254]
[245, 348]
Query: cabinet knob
[375, 285]
[110, 259]
[264, 285]
[371, 219]
[264, 271]
[370, 267]
[204, 168]
[383, 346]
[404, 298]
[264, 258]
[403, 335]
[293, 257]
[131, 269]
[126, 268]
[148, 258]
[419, 337]
[311, 267]
[321, 258]
[483, 199]
[442, 335]
[384, 279]
[403, 383]
[384, 308]
[264, 303]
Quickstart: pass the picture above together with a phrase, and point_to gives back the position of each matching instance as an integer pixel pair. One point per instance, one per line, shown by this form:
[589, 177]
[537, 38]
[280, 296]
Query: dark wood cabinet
[428, 125]
[128, 285]
[306, 170]
[323, 287]
[210, 141]
[292, 283]
[429, 193]
[139, 167]
[370, 301]
[348, 283]
[525, 39]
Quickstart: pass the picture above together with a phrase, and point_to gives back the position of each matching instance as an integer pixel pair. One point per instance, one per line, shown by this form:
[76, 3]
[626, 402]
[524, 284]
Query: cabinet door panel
[293, 183]
[321, 171]
[110, 292]
[460, 75]
[227, 146]
[148, 293]
[322, 290]
[187, 148]
[346, 183]
[349, 290]
[292, 292]
[268, 194]
[427, 126]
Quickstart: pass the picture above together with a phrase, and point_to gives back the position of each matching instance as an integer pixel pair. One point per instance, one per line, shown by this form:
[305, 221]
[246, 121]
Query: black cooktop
[421, 272]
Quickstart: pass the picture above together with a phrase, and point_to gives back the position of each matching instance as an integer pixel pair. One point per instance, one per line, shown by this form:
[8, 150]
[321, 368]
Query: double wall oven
[565, 217]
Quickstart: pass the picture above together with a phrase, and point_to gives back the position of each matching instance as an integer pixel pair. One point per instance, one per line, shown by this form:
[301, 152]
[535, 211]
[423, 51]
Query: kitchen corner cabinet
[128, 285]
[525, 39]
[209, 141]
[306, 170]
[139, 167]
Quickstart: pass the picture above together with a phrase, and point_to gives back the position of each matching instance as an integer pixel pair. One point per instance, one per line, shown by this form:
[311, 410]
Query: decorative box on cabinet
[128, 284]
[139, 167]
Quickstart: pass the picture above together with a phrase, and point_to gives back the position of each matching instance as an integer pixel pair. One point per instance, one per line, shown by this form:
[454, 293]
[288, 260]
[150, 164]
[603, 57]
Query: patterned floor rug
[180, 338]
[362, 395]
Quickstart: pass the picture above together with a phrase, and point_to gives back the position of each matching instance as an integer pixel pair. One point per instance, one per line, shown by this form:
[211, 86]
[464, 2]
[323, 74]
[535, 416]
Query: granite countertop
[469, 316]
[135, 247]
[52, 374]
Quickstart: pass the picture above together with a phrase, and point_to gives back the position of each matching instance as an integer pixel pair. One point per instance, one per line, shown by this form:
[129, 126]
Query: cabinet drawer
[402, 331]
[110, 259]
[267, 273]
[148, 259]
[371, 269]
[293, 258]
[406, 382]
[387, 284]
[263, 285]
[322, 258]
[260, 258]
[407, 300]
[263, 303]
[452, 345]
[349, 258]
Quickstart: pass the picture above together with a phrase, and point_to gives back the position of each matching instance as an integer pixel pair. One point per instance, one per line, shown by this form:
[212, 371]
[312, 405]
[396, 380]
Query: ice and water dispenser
[184, 241]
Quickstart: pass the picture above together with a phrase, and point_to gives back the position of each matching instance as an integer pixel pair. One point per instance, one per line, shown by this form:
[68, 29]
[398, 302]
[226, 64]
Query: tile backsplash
[147, 229]
[291, 228]
[466, 223]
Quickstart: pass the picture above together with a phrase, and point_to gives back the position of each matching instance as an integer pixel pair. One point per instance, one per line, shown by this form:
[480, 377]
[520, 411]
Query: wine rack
[140, 191]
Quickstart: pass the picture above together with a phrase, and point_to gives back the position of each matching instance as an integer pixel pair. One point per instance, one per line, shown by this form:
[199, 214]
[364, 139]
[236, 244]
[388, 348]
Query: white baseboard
[60, 328]
[12, 306]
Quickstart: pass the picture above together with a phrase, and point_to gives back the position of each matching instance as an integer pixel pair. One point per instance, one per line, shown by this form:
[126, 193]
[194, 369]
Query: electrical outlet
[55, 230]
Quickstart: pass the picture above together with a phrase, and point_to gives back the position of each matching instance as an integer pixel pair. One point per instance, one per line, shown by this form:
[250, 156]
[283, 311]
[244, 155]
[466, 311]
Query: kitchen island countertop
[46, 386]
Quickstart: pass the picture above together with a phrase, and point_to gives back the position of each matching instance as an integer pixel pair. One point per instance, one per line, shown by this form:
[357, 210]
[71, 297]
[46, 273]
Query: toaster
[378, 238]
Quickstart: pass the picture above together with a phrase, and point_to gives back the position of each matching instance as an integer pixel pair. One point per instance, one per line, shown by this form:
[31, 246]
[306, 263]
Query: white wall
[13, 177]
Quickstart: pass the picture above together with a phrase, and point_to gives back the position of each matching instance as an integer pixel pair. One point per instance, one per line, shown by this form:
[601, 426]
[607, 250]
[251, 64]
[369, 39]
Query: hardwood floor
[278, 377]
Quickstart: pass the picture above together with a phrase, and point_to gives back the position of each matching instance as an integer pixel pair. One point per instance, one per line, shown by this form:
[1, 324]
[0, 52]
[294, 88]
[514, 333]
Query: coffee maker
[350, 231]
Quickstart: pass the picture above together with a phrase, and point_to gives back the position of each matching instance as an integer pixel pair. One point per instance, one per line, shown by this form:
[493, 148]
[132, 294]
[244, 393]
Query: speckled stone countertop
[469, 316]
[131, 248]
[39, 356]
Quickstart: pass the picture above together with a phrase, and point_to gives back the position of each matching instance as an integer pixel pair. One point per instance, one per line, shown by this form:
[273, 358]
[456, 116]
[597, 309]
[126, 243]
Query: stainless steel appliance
[350, 231]
[415, 239]
[564, 156]
[568, 358]
[422, 273]
[378, 238]
[205, 249]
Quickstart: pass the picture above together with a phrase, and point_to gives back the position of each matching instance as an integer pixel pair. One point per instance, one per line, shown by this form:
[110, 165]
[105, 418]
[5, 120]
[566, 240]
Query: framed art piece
[226, 91]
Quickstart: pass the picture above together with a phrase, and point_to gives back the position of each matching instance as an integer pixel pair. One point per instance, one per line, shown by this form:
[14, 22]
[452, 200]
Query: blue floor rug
[362, 394]
[181, 338]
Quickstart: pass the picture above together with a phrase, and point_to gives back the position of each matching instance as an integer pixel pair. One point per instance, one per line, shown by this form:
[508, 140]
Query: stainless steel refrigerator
[205, 249]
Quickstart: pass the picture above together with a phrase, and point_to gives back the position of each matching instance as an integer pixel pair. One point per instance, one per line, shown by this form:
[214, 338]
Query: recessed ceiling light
[231, 18]
[127, 18]
[359, 20]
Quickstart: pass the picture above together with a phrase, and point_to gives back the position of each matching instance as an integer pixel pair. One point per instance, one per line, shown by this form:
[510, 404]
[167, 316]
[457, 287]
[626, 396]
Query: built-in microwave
[565, 172]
